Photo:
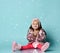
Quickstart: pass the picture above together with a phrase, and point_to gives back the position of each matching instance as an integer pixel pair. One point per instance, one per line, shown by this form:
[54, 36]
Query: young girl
[36, 37]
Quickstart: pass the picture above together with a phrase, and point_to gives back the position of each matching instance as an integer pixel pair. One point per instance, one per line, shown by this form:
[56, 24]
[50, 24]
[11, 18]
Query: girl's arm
[30, 36]
[42, 35]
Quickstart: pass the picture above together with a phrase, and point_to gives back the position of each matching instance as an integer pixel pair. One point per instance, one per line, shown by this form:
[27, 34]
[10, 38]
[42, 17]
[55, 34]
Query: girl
[36, 37]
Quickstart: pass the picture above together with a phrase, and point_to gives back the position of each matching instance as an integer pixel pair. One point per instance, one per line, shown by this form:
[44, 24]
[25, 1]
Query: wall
[16, 17]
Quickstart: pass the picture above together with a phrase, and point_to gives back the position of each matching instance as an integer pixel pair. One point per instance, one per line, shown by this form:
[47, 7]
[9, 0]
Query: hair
[39, 27]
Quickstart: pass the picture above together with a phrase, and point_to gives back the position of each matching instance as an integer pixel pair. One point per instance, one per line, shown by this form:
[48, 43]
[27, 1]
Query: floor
[6, 48]
[29, 51]
[36, 51]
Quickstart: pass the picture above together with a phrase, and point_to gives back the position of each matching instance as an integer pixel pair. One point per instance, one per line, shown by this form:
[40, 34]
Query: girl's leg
[45, 46]
[15, 46]
[39, 46]
[29, 46]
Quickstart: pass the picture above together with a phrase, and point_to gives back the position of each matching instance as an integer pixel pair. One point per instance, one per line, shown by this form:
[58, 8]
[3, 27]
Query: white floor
[35, 51]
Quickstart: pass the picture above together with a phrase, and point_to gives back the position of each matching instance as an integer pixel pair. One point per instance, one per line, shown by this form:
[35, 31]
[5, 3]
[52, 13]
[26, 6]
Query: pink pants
[30, 46]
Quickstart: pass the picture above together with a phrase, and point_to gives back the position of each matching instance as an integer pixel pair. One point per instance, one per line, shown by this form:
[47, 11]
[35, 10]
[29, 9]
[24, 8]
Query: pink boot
[15, 46]
[45, 46]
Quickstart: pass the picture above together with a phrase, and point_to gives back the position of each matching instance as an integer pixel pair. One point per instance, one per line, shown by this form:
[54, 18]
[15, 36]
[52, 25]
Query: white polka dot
[17, 24]
[58, 40]
[27, 16]
[6, 40]
[24, 37]
[33, 0]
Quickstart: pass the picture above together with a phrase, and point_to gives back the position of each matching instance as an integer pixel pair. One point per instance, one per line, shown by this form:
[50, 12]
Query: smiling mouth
[34, 26]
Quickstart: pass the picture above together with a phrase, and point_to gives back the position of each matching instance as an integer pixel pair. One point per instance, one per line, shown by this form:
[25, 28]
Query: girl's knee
[47, 43]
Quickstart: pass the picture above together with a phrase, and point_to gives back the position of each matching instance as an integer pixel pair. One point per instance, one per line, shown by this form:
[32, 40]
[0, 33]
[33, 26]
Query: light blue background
[16, 17]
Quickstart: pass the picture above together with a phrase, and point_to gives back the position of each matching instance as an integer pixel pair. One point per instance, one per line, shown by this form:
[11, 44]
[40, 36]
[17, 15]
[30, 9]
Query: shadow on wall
[50, 39]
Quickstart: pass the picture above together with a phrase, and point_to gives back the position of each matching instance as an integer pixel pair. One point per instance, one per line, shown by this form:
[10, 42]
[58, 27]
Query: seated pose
[36, 37]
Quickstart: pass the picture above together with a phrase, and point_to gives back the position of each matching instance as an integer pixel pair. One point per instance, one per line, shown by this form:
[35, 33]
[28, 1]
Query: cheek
[32, 26]
[37, 26]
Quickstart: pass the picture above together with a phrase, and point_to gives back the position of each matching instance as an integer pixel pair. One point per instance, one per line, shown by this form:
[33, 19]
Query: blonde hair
[39, 23]
[36, 19]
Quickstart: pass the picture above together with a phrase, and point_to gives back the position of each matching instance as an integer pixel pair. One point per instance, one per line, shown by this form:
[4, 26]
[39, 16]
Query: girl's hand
[35, 44]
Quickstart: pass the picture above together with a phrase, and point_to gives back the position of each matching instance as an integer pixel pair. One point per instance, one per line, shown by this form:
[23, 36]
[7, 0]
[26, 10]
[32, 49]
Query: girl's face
[35, 24]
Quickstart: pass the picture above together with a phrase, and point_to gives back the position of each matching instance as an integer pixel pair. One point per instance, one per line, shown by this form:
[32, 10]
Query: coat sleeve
[30, 37]
[42, 35]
